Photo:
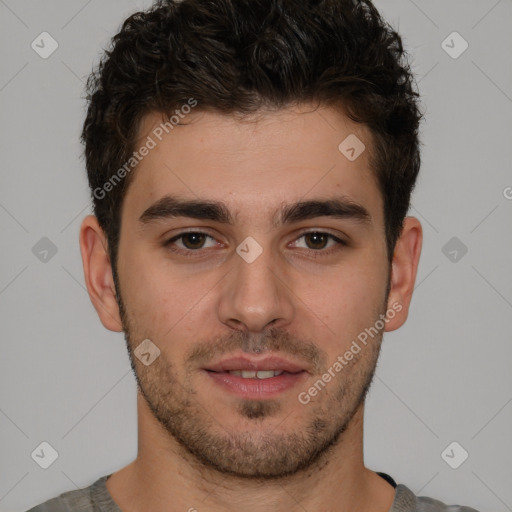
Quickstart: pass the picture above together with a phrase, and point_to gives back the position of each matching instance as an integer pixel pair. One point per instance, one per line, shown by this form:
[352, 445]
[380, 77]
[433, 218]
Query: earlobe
[98, 273]
[403, 272]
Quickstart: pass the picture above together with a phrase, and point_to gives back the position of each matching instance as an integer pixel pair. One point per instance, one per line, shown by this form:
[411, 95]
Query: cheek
[348, 303]
[144, 287]
[159, 298]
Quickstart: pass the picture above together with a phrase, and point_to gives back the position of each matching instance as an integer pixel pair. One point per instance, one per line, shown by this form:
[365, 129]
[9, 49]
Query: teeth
[250, 374]
[265, 374]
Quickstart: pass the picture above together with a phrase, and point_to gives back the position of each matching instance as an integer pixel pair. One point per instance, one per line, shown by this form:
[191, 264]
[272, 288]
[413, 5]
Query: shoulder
[83, 500]
[407, 501]
[425, 504]
[66, 502]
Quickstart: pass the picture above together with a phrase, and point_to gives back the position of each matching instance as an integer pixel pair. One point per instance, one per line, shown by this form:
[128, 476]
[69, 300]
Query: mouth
[256, 379]
[245, 365]
[251, 374]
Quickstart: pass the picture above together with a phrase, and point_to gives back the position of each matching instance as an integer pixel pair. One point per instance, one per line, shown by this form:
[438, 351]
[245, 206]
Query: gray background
[445, 376]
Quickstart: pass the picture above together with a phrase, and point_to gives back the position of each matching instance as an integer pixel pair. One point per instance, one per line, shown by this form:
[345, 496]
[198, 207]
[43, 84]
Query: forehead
[256, 163]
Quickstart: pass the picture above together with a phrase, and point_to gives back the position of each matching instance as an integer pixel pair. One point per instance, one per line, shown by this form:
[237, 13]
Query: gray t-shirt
[96, 498]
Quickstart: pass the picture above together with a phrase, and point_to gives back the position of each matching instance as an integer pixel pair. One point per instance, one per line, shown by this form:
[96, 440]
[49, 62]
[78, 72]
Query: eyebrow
[173, 207]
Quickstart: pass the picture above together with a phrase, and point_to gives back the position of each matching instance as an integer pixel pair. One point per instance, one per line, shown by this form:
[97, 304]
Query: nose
[256, 295]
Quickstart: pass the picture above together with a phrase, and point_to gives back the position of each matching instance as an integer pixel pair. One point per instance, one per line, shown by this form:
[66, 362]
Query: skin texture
[200, 445]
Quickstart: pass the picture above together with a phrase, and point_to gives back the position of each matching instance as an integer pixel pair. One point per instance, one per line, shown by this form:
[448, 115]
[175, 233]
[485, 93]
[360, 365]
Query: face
[281, 270]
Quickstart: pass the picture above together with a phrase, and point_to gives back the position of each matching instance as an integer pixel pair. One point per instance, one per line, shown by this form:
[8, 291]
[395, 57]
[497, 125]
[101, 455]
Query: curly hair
[240, 56]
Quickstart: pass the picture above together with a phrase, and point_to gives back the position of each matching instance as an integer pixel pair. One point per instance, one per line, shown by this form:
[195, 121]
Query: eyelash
[189, 253]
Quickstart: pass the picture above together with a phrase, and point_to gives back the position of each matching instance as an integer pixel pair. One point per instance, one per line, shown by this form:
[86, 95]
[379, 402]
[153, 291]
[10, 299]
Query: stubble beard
[259, 453]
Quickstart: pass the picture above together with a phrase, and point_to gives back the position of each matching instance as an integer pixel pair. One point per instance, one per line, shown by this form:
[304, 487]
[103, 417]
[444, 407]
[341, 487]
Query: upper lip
[271, 362]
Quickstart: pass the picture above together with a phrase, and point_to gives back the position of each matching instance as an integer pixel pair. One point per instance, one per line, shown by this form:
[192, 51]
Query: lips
[256, 378]
[269, 363]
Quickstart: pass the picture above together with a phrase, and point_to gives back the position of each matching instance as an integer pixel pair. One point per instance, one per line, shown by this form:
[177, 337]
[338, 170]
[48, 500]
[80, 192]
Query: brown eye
[319, 243]
[189, 242]
[193, 240]
[318, 240]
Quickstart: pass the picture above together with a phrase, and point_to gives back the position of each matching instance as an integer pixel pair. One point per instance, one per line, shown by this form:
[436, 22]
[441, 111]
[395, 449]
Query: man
[251, 164]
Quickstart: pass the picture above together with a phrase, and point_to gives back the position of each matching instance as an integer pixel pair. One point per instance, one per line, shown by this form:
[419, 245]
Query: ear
[403, 272]
[98, 273]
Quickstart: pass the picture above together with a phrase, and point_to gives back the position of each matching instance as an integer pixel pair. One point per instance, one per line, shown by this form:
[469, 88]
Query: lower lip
[257, 388]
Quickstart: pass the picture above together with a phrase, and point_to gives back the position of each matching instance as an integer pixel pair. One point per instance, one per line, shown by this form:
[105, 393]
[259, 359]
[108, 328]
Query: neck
[165, 473]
